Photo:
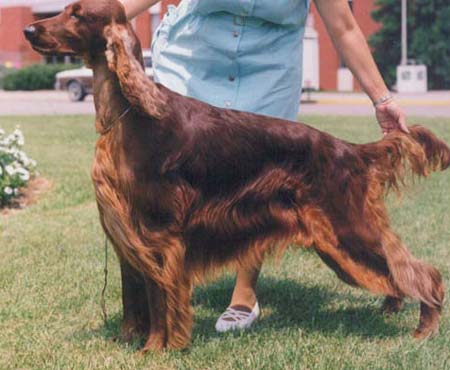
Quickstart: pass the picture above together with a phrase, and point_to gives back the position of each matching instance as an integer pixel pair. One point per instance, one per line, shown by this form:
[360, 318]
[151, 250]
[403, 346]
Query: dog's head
[78, 30]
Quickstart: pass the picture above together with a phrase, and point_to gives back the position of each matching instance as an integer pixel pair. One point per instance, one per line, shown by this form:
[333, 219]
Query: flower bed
[16, 169]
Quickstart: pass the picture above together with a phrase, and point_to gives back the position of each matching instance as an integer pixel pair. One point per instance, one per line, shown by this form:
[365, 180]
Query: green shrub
[2, 73]
[35, 77]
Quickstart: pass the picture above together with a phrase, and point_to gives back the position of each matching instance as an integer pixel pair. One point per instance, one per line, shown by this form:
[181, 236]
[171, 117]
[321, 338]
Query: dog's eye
[76, 16]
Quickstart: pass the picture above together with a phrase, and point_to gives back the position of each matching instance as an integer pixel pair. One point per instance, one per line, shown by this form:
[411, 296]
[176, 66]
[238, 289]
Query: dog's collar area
[122, 115]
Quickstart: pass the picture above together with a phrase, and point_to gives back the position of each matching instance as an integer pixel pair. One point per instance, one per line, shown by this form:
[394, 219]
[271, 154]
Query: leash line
[105, 283]
[122, 115]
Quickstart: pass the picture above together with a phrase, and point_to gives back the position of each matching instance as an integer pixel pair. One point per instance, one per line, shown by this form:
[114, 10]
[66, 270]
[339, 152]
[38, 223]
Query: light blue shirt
[238, 54]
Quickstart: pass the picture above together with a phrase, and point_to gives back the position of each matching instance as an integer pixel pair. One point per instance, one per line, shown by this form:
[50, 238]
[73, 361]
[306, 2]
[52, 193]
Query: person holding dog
[246, 55]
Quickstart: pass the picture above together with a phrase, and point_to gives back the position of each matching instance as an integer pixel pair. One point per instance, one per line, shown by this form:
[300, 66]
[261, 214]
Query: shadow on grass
[285, 304]
[293, 305]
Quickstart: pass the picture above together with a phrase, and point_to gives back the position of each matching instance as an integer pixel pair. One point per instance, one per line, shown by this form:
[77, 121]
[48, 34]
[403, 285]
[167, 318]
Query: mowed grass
[51, 276]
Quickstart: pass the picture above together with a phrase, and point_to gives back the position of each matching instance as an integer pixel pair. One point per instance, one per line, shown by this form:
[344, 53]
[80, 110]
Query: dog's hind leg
[134, 300]
[390, 270]
[417, 280]
[356, 257]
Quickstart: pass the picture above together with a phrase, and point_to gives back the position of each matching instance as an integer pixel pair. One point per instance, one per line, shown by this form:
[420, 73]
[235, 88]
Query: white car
[78, 82]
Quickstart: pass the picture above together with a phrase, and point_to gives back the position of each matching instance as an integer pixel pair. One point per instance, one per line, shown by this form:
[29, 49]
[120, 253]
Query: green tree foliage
[428, 38]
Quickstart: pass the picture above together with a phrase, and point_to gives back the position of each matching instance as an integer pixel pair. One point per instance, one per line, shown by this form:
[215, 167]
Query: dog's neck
[110, 104]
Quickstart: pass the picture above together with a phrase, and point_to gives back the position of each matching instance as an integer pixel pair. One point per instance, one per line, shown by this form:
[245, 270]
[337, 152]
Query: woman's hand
[391, 117]
[352, 46]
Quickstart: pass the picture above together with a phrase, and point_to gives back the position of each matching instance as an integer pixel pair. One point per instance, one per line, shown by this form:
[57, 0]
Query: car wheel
[76, 91]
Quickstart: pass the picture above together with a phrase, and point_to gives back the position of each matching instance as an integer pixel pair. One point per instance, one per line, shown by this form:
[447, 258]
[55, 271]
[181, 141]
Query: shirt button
[235, 33]
[231, 78]
[227, 103]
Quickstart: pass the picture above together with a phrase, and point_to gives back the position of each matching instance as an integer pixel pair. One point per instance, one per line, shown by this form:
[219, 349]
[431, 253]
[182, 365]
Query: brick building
[15, 51]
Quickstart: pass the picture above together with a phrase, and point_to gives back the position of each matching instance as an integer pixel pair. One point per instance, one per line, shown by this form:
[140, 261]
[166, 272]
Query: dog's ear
[121, 38]
[109, 33]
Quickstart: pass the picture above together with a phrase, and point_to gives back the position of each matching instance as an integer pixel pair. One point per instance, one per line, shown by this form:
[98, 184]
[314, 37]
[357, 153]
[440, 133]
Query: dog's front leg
[135, 306]
[170, 316]
[169, 298]
[157, 339]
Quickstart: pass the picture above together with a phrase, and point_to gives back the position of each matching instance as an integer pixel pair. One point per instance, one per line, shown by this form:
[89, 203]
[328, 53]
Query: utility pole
[410, 78]
[404, 60]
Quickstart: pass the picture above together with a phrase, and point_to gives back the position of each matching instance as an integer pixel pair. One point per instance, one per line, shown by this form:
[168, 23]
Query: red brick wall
[143, 27]
[13, 46]
[328, 57]
[362, 11]
[164, 4]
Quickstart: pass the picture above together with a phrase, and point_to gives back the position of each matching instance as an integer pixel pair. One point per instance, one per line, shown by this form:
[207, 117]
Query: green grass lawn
[51, 275]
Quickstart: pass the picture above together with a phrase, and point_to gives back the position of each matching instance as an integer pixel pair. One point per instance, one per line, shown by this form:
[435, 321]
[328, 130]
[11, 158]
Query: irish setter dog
[184, 188]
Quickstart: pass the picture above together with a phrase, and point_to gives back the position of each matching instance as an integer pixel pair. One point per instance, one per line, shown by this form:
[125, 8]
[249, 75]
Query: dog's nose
[30, 32]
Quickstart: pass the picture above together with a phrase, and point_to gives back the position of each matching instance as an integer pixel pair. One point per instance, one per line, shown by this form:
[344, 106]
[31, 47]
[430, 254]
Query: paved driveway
[42, 103]
[433, 104]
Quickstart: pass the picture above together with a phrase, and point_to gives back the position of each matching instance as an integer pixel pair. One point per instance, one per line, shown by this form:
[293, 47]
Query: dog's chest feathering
[111, 202]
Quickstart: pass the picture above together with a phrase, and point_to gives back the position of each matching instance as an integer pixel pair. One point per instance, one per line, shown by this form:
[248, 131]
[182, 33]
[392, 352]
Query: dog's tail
[420, 151]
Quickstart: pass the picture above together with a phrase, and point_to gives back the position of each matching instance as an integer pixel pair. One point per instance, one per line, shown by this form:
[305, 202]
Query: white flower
[8, 190]
[14, 163]
[18, 137]
[23, 174]
[9, 170]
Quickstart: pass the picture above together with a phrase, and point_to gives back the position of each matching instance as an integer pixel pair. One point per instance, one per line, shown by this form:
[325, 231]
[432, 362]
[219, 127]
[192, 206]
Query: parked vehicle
[78, 82]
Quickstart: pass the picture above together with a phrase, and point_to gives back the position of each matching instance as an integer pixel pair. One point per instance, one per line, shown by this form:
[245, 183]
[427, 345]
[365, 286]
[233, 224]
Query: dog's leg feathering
[374, 258]
[417, 280]
[171, 313]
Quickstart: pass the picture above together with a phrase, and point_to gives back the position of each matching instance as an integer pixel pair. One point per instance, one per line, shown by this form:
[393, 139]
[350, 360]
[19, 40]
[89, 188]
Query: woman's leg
[243, 309]
[244, 293]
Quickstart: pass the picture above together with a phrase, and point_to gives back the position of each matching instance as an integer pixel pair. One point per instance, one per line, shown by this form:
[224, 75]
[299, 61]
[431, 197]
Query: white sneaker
[237, 317]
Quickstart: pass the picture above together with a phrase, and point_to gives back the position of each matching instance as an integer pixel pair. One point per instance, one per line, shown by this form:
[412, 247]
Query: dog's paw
[391, 305]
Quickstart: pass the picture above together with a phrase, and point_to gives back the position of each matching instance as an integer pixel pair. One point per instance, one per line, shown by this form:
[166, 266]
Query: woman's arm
[351, 44]
[134, 7]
